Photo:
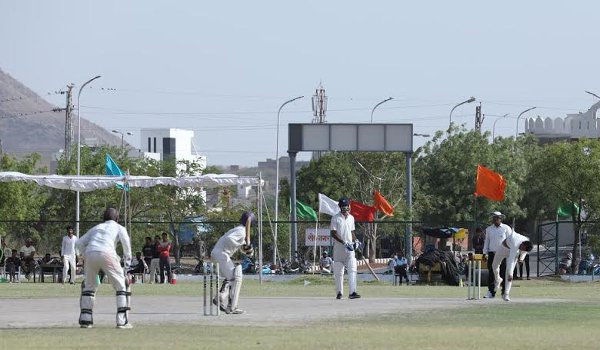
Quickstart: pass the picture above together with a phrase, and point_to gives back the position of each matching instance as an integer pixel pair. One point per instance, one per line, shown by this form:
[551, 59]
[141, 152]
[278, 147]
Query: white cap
[497, 213]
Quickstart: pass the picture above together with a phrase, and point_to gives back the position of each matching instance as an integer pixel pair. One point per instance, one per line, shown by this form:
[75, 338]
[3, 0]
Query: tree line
[540, 179]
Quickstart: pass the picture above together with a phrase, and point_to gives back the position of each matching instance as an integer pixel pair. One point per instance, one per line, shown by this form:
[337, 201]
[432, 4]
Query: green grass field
[571, 323]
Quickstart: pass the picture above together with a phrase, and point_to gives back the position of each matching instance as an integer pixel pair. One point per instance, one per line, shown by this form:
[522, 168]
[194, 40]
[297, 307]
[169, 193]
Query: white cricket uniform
[99, 247]
[224, 249]
[344, 226]
[512, 255]
[69, 252]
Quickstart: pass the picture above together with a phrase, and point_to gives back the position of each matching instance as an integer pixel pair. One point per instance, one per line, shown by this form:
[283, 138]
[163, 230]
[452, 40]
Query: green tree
[567, 172]
[445, 173]
[20, 201]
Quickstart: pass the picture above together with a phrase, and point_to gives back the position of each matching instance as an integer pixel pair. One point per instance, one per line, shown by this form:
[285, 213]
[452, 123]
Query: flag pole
[315, 247]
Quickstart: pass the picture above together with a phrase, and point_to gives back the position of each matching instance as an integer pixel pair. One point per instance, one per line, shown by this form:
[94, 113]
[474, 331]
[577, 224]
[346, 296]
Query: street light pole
[494, 126]
[379, 104]
[122, 139]
[519, 117]
[79, 150]
[470, 100]
[277, 178]
[593, 94]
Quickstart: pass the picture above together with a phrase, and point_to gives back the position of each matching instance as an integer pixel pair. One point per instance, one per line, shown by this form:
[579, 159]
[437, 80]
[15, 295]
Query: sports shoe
[85, 326]
[505, 297]
[125, 326]
[221, 306]
[235, 311]
[354, 296]
[338, 296]
[489, 295]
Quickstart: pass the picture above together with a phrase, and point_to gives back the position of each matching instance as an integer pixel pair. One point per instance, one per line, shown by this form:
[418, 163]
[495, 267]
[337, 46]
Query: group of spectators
[22, 260]
[155, 259]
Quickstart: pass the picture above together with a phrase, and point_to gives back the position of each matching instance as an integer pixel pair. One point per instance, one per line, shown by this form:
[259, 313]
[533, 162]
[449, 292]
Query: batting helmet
[344, 202]
[248, 215]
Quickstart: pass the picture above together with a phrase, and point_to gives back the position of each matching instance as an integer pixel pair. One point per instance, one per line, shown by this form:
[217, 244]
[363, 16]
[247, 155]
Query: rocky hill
[28, 123]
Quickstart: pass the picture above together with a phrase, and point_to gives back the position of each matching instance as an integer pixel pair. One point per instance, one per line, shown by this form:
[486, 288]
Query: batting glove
[357, 245]
[247, 249]
[349, 246]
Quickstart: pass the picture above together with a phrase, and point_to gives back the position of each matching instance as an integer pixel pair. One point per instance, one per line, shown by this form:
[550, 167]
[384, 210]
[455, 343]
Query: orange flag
[362, 212]
[382, 204]
[489, 184]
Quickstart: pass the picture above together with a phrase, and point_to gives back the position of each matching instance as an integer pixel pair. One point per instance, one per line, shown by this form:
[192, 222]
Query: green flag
[567, 210]
[305, 212]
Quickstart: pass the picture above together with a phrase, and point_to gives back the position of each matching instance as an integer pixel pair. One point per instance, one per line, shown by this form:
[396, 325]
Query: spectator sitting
[12, 264]
[401, 268]
[47, 259]
[138, 265]
[27, 260]
[392, 263]
[325, 263]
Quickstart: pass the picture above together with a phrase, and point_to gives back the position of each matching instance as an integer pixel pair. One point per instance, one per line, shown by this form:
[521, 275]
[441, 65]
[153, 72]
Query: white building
[573, 126]
[162, 144]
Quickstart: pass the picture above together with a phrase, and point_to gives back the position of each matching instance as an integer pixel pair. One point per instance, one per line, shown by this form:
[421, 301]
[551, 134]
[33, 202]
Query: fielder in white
[98, 245]
[345, 242]
[514, 248]
[68, 254]
[234, 239]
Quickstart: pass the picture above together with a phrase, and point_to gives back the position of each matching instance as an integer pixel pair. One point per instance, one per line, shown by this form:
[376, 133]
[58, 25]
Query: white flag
[327, 205]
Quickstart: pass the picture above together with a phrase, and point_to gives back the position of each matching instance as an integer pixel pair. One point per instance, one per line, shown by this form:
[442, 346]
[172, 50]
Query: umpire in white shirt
[495, 234]
[99, 248]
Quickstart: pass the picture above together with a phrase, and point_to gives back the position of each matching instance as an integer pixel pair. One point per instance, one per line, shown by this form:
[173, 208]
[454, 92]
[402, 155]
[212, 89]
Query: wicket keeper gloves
[349, 246]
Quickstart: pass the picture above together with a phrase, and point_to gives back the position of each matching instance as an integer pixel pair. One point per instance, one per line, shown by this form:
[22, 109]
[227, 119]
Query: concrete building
[163, 144]
[573, 126]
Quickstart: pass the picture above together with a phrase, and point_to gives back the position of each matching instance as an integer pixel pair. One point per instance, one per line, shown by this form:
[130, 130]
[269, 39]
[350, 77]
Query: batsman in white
[345, 242]
[234, 239]
[514, 248]
[98, 247]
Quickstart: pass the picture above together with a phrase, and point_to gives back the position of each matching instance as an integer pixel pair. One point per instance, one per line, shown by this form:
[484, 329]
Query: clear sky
[223, 68]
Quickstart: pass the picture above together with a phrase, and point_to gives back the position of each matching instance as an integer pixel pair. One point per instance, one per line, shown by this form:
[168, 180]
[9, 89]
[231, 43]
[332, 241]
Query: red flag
[382, 204]
[362, 212]
[489, 184]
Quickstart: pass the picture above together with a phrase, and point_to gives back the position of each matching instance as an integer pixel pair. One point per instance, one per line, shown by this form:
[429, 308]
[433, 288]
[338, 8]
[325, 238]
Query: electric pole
[478, 118]
[69, 123]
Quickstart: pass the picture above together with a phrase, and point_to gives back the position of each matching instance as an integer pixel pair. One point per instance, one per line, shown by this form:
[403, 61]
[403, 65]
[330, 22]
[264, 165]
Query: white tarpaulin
[87, 183]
